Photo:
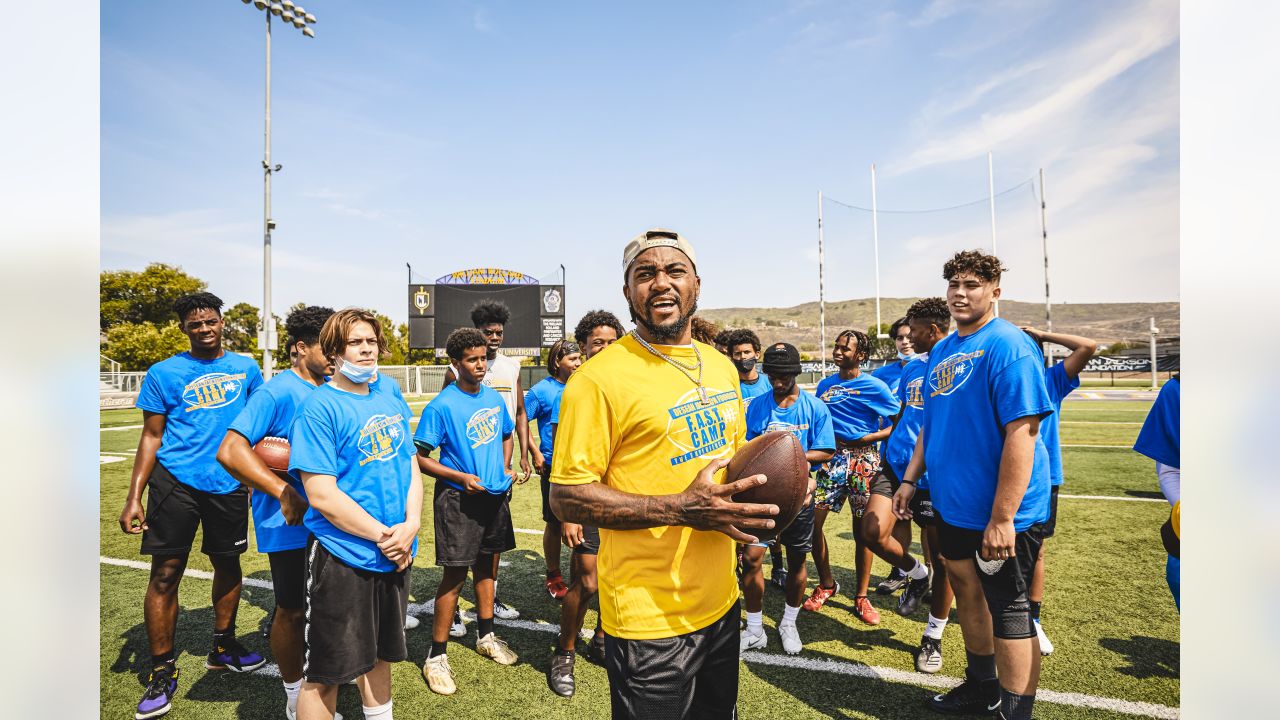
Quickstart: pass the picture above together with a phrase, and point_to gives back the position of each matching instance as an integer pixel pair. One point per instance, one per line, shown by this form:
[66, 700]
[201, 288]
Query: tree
[138, 346]
[881, 348]
[129, 296]
[240, 328]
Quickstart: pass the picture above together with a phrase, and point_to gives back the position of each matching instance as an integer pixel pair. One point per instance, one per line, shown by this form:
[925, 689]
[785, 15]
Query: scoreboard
[537, 310]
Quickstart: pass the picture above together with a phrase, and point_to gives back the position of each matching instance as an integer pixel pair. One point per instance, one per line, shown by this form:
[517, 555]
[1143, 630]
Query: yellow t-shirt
[630, 420]
[1176, 517]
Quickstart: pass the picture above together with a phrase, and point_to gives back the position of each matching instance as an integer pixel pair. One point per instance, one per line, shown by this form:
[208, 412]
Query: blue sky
[528, 135]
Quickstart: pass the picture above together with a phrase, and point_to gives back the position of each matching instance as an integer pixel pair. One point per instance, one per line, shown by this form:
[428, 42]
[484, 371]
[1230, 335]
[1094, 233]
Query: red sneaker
[865, 611]
[556, 587]
[820, 596]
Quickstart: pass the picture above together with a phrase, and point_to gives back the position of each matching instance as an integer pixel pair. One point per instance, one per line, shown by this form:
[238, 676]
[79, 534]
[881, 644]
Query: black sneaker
[971, 697]
[909, 601]
[595, 649]
[892, 584]
[779, 577]
[560, 674]
[229, 654]
[157, 699]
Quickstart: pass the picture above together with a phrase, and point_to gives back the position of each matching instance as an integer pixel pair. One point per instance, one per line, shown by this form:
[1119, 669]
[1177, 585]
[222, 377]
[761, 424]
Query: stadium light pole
[1044, 239]
[1154, 331]
[875, 241]
[822, 301]
[299, 18]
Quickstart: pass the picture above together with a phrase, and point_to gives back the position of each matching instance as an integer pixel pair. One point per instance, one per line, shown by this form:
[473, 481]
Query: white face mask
[906, 356]
[358, 374]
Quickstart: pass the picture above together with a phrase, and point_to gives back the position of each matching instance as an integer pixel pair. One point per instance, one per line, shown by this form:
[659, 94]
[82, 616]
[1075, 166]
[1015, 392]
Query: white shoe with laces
[791, 643]
[753, 641]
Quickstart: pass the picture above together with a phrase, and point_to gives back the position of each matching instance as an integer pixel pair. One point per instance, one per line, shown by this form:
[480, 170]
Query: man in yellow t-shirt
[638, 425]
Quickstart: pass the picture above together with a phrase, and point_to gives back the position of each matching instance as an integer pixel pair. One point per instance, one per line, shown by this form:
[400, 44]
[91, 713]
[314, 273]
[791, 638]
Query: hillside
[1104, 322]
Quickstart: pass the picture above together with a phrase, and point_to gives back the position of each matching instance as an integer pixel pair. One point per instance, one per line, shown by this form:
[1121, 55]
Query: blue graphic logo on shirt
[212, 390]
[951, 374]
[915, 398]
[838, 393]
[700, 430]
[380, 438]
[482, 426]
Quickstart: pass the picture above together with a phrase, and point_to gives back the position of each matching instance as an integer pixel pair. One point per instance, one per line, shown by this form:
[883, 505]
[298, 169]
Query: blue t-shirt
[975, 385]
[199, 399]
[1159, 438]
[363, 441]
[807, 418]
[754, 389]
[891, 373]
[857, 405]
[902, 443]
[1059, 385]
[269, 413]
[539, 403]
[469, 430]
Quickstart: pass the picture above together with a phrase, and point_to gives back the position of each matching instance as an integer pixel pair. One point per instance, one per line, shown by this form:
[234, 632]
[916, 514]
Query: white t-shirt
[502, 376]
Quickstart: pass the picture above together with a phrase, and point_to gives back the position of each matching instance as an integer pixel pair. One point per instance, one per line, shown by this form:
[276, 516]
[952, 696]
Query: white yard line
[1112, 497]
[1120, 447]
[119, 427]
[1096, 422]
[838, 667]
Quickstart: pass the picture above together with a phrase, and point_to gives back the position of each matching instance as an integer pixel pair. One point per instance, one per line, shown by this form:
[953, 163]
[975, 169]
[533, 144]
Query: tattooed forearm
[602, 506]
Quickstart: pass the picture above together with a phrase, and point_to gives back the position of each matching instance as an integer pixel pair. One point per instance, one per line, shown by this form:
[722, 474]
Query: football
[274, 452]
[779, 457]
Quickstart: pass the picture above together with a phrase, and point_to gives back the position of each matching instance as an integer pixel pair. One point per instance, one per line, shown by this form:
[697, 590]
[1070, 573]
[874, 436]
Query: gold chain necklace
[703, 399]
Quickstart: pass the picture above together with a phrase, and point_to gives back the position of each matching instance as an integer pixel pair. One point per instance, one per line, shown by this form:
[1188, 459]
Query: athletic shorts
[354, 618]
[289, 577]
[886, 482]
[922, 508]
[1052, 525]
[797, 536]
[468, 526]
[544, 480]
[175, 510]
[848, 474]
[590, 544]
[694, 675]
[1007, 583]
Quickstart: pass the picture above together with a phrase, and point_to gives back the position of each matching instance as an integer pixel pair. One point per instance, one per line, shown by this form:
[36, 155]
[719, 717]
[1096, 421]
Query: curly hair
[987, 267]
[931, 310]
[337, 329]
[862, 343]
[188, 304]
[896, 326]
[742, 336]
[490, 312]
[462, 340]
[722, 337]
[593, 320]
[704, 331]
[304, 324]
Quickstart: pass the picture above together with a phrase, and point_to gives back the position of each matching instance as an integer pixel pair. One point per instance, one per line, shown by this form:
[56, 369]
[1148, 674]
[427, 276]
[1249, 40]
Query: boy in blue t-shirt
[1160, 440]
[562, 359]
[1059, 380]
[790, 409]
[349, 446]
[187, 402]
[984, 397]
[744, 350]
[470, 424]
[278, 501]
[891, 372]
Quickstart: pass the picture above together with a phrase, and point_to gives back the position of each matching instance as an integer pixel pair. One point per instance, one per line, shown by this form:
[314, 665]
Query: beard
[672, 329]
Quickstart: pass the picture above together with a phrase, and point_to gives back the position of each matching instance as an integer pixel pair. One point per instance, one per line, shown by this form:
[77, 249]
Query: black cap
[782, 359]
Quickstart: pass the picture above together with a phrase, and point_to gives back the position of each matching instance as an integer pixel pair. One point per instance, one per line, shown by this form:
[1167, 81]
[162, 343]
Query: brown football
[779, 457]
[274, 452]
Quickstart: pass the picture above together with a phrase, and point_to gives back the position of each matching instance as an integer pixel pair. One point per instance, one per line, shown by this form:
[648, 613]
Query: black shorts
[545, 481]
[289, 577]
[1009, 583]
[694, 675]
[886, 482]
[798, 536]
[354, 618]
[468, 526]
[175, 510]
[590, 544]
[1052, 524]
[922, 508]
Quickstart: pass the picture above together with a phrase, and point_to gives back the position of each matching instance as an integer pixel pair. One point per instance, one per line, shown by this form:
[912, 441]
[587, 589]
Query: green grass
[1106, 609]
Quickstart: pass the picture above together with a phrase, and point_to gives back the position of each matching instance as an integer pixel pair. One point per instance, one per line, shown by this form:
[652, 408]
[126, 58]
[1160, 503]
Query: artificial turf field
[1107, 610]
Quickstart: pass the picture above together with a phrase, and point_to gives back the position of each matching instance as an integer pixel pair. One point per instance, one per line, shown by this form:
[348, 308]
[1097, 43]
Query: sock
[935, 627]
[981, 667]
[789, 615]
[564, 653]
[218, 635]
[755, 622]
[553, 574]
[438, 648]
[1035, 610]
[165, 658]
[919, 572]
[1014, 706]
[291, 692]
[484, 625]
[380, 712]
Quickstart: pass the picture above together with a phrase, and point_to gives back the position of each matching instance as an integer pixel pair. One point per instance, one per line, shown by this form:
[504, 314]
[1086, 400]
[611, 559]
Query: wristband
[912, 483]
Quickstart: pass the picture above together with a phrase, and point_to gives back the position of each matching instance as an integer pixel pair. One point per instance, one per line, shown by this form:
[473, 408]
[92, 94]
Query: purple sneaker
[229, 654]
[162, 685]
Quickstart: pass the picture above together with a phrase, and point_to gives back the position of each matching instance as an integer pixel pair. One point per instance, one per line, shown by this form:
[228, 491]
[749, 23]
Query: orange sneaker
[820, 596]
[865, 611]
[556, 587]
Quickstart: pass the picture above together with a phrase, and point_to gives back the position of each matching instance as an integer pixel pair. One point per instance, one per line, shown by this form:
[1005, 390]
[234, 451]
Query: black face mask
[746, 365]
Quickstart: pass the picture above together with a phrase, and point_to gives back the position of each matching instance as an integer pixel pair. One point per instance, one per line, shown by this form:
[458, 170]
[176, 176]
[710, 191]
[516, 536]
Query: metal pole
[875, 241]
[410, 267]
[1154, 383]
[267, 320]
[991, 190]
[822, 302]
[1044, 238]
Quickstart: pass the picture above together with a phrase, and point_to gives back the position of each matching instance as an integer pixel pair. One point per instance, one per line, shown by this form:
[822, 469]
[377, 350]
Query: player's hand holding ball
[709, 505]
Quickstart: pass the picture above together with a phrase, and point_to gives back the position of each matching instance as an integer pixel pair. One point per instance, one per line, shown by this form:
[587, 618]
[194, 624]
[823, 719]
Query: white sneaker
[429, 607]
[410, 622]
[469, 615]
[504, 611]
[458, 628]
[752, 641]
[1046, 647]
[439, 675]
[790, 638]
[494, 648]
[587, 634]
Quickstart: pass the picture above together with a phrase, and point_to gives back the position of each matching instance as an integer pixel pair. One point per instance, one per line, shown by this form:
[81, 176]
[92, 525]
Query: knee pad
[1010, 618]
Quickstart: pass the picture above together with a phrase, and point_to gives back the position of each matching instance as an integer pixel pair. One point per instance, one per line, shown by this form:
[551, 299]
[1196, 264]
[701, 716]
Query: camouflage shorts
[847, 475]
